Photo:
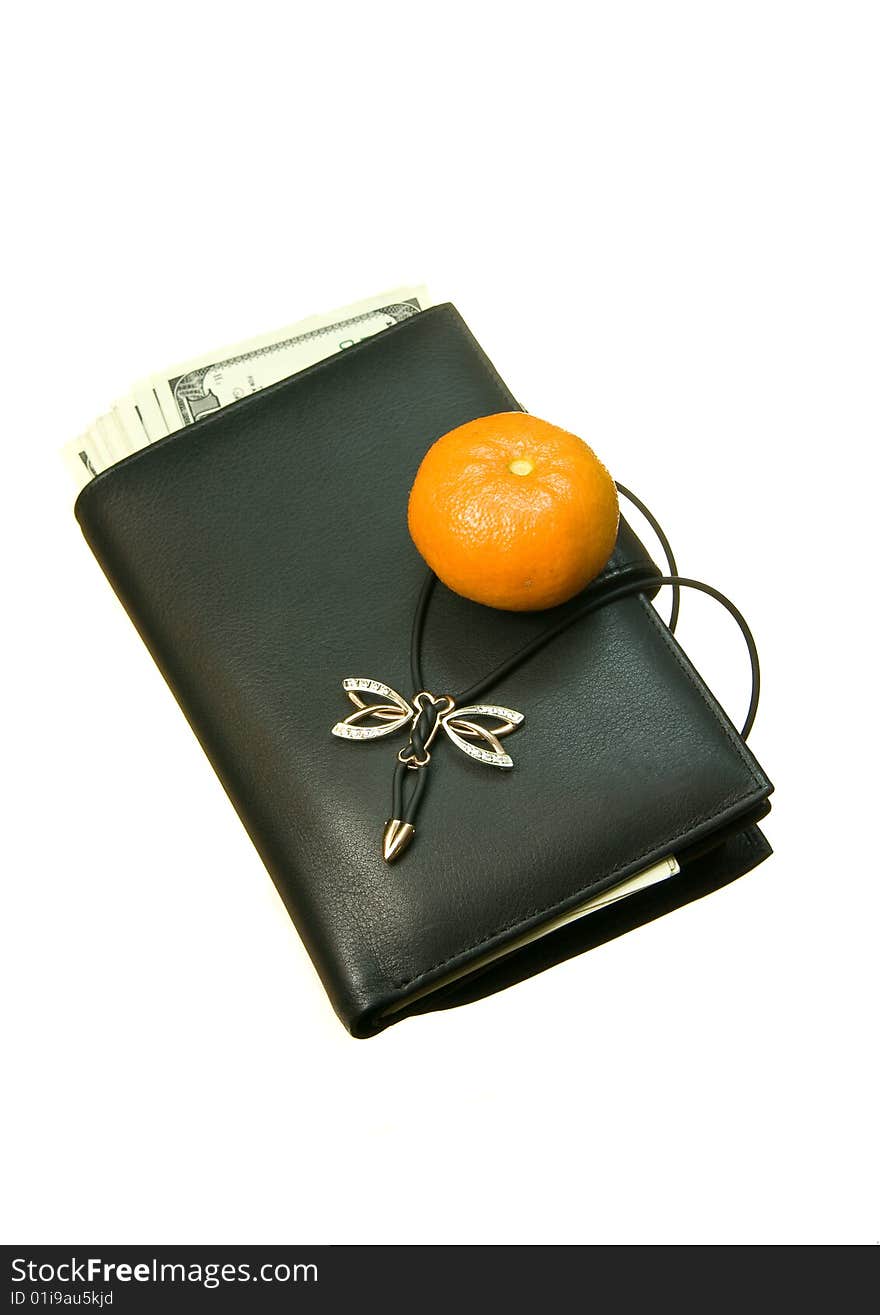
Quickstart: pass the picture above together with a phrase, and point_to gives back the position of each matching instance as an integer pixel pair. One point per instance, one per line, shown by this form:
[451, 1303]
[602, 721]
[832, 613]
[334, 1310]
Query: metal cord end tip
[396, 838]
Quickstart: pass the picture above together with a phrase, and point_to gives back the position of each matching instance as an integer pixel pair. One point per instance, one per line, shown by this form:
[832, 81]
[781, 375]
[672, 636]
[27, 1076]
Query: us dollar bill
[184, 394]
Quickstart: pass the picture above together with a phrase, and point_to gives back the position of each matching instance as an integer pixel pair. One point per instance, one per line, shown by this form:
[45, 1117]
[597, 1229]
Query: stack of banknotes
[184, 394]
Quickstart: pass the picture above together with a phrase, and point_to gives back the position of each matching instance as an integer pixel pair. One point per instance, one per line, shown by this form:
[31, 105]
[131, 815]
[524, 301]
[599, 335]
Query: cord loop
[429, 710]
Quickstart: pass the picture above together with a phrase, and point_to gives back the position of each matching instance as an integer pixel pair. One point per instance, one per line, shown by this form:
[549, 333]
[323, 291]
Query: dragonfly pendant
[387, 712]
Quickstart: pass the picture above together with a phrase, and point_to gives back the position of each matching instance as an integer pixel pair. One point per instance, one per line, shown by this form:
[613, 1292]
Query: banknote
[191, 391]
[186, 393]
[82, 463]
[89, 454]
[129, 422]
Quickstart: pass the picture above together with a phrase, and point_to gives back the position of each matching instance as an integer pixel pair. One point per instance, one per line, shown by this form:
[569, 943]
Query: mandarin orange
[513, 512]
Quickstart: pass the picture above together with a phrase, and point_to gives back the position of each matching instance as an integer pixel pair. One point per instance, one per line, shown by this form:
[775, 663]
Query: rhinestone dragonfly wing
[370, 721]
[482, 743]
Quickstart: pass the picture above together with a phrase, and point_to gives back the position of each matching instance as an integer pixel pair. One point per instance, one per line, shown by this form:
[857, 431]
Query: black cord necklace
[464, 719]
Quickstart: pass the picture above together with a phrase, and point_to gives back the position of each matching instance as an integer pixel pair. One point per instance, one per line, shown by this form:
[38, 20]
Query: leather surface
[701, 875]
[263, 555]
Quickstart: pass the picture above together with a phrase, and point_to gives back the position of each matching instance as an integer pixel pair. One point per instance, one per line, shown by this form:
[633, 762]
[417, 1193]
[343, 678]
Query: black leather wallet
[263, 556]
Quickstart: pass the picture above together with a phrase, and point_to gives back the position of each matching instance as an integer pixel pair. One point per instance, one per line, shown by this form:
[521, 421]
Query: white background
[662, 223]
